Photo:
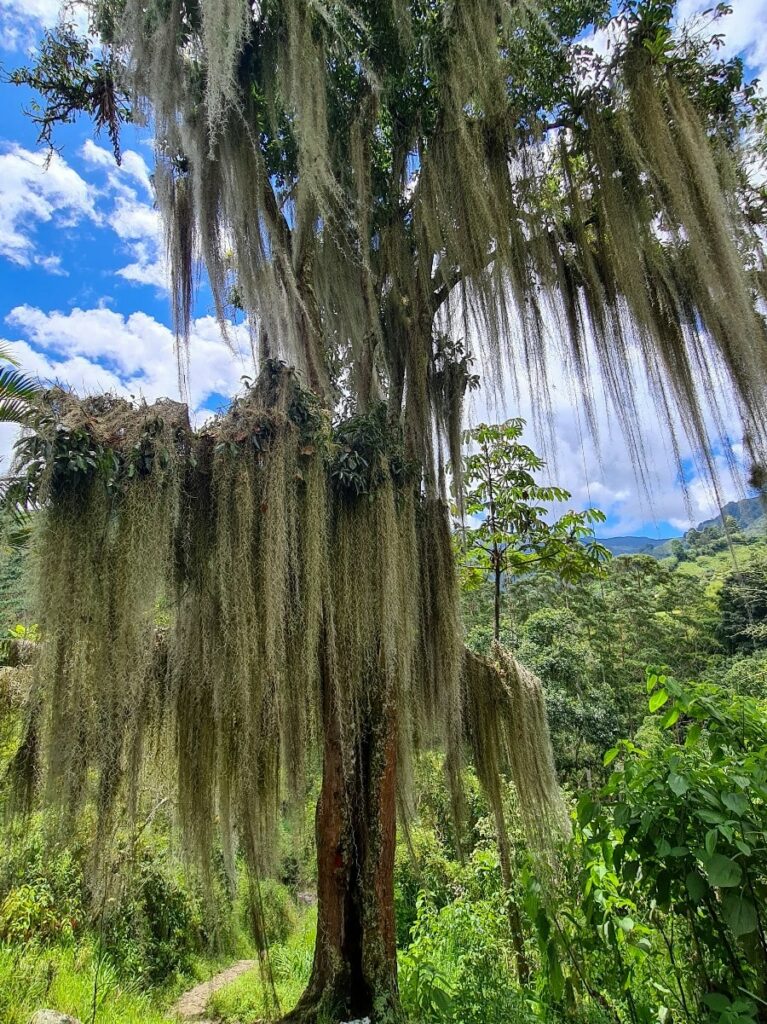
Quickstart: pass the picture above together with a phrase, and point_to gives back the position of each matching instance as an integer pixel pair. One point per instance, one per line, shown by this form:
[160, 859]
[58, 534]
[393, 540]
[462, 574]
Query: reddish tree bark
[354, 974]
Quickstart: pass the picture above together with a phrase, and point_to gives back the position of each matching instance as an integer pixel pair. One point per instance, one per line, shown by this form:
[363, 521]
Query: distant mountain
[748, 513]
[632, 545]
[745, 513]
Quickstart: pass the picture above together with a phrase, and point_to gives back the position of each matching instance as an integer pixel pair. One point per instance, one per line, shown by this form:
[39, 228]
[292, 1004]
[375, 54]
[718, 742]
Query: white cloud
[133, 217]
[743, 30]
[98, 349]
[23, 21]
[31, 194]
[139, 226]
[39, 188]
[133, 170]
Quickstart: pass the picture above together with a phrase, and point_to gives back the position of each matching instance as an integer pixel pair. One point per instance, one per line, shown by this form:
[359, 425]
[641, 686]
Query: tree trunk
[354, 974]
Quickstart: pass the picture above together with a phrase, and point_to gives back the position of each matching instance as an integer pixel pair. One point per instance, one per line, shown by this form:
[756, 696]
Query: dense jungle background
[655, 674]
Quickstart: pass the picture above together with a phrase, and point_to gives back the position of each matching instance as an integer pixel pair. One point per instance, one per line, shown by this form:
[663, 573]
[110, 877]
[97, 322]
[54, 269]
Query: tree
[368, 178]
[513, 537]
[743, 607]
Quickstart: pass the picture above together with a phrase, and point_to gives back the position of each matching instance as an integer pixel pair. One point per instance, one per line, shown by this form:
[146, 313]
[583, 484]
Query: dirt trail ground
[191, 1006]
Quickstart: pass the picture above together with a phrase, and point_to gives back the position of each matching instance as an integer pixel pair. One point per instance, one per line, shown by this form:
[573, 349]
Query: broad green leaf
[693, 734]
[696, 886]
[736, 802]
[671, 717]
[722, 872]
[658, 699]
[717, 1002]
[739, 913]
[441, 1001]
[678, 784]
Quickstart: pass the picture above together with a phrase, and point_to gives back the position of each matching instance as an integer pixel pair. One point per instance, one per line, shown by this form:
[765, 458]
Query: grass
[62, 978]
[246, 999]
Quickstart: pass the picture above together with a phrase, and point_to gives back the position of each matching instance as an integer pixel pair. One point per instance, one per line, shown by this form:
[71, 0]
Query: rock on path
[191, 1006]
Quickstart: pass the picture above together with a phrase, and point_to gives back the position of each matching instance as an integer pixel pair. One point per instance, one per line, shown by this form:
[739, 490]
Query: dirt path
[191, 1006]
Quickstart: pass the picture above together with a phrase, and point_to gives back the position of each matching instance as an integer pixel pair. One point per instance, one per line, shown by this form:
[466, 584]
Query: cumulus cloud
[33, 193]
[133, 216]
[96, 350]
[39, 188]
[22, 21]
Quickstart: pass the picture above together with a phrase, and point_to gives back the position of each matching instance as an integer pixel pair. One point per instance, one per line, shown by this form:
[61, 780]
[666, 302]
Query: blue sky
[83, 295]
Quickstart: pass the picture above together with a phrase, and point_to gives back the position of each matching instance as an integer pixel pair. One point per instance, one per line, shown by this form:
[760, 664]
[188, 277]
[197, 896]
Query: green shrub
[278, 910]
[29, 913]
[41, 888]
[459, 966]
[154, 925]
[661, 914]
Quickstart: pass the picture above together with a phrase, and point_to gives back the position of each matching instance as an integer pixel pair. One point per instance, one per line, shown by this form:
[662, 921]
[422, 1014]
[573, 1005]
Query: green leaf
[670, 718]
[717, 1002]
[586, 809]
[678, 784]
[610, 756]
[441, 1001]
[712, 817]
[696, 886]
[739, 913]
[627, 924]
[722, 872]
[736, 802]
[710, 841]
[657, 700]
[693, 734]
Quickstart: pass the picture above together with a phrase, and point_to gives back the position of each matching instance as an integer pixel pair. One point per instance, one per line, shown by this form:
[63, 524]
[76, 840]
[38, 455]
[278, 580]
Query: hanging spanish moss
[507, 729]
[100, 557]
[289, 559]
[639, 253]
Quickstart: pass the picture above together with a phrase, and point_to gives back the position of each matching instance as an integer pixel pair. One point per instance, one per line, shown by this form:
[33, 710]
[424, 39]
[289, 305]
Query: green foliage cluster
[656, 909]
[743, 607]
[515, 535]
[591, 641]
[667, 870]
[148, 923]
